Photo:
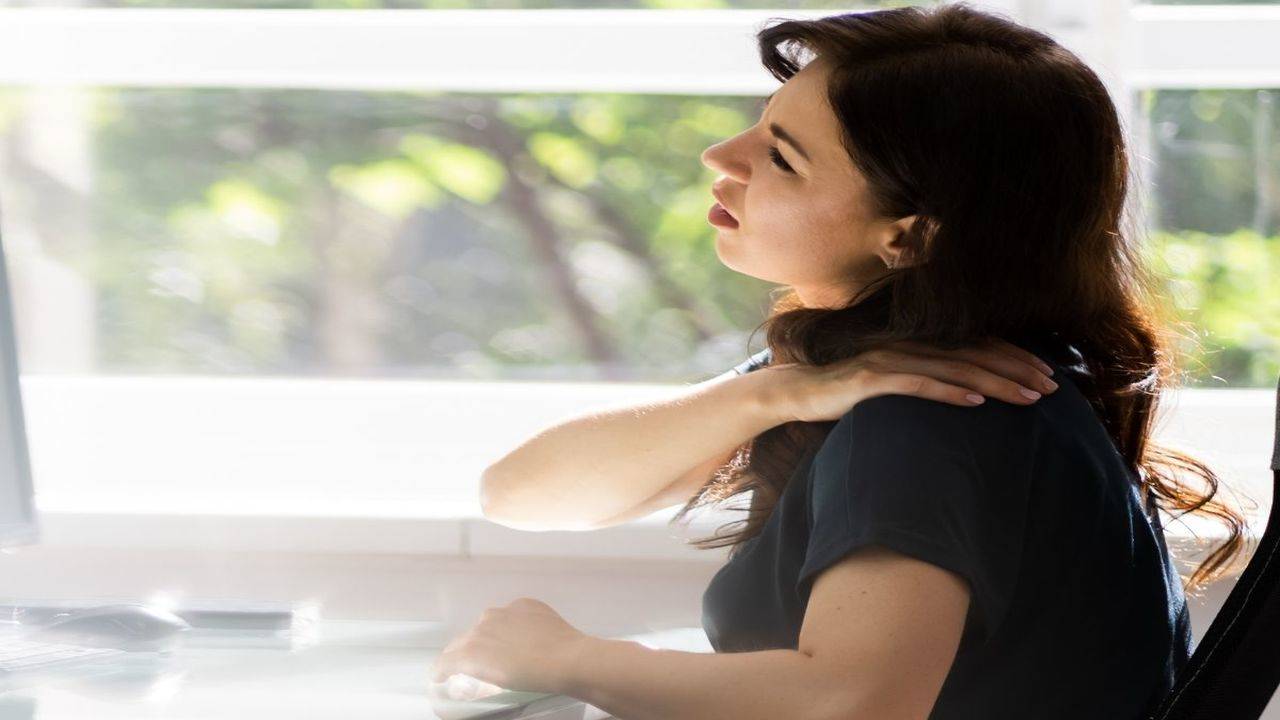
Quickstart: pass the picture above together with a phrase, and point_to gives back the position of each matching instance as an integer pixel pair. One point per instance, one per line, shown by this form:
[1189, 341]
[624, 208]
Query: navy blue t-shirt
[1076, 607]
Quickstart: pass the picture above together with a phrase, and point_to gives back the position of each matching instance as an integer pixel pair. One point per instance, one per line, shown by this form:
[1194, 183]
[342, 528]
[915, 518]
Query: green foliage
[536, 235]
[1224, 291]
[568, 159]
[393, 187]
[469, 173]
[1215, 157]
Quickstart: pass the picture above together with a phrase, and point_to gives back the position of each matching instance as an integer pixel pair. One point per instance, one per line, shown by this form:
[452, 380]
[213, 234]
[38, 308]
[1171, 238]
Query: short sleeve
[910, 474]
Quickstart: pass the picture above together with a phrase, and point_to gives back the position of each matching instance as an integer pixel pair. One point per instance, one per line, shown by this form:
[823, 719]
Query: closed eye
[778, 160]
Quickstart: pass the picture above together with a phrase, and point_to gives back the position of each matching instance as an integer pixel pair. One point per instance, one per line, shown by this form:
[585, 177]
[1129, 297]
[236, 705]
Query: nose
[710, 158]
[720, 158]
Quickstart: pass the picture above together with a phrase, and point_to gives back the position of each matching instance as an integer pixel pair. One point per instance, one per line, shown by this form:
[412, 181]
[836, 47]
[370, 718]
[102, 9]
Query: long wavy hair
[1009, 150]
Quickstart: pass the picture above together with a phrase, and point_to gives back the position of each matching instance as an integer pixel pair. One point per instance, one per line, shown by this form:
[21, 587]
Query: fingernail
[1048, 370]
[1029, 393]
[1050, 385]
[975, 399]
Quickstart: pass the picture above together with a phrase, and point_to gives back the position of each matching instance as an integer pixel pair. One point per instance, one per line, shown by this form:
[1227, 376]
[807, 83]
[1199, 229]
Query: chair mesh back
[1235, 668]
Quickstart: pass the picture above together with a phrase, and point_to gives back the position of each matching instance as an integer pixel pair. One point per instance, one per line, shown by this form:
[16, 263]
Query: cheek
[791, 236]
[817, 235]
[778, 214]
[778, 230]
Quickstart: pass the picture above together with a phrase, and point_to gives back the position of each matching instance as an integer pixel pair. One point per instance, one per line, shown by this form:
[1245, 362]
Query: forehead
[809, 83]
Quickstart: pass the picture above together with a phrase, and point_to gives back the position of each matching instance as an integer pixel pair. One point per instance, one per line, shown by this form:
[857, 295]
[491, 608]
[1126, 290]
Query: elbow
[492, 495]
[501, 503]
[521, 504]
[505, 503]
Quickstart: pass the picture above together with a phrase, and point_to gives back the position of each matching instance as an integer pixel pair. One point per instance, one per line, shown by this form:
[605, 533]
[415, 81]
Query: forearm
[634, 682]
[597, 465]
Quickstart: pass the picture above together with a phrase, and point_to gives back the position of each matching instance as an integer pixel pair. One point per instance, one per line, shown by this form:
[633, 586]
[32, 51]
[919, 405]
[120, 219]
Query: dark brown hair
[1009, 150]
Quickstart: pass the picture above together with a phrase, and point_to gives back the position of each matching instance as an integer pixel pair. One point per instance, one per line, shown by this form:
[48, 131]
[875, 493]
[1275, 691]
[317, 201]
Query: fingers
[460, 686]
[964, 376]
[1012, 369]
[1013, 364]
[450, 664]
[894, 383]
[1008, 348]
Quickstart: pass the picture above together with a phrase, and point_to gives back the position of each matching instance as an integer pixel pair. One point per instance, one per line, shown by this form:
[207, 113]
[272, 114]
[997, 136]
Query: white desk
[350, 671]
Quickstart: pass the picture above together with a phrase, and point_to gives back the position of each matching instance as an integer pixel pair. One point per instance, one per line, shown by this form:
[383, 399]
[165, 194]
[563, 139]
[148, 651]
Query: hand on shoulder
[995, 368]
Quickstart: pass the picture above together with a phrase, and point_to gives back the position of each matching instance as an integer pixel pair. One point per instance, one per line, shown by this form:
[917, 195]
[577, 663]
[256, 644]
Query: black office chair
[1235, 668]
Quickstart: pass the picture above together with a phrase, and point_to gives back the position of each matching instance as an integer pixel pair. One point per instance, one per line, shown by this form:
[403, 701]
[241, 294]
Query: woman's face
[806, 223]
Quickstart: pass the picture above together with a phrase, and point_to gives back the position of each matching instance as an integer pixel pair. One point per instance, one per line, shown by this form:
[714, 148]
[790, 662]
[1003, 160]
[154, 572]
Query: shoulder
[906, 430]
[893, 415]
[910, 408]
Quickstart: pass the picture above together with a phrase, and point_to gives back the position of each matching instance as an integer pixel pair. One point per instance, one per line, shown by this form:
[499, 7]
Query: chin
[727, 254]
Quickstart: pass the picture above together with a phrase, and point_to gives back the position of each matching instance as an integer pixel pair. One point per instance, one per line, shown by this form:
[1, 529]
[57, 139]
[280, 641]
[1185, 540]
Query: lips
[720, 199]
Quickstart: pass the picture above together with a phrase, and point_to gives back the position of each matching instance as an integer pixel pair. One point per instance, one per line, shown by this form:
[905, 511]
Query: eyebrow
[783, 135]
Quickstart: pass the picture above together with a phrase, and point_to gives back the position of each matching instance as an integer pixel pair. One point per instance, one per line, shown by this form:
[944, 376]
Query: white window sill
[452, 532]
[391, 466]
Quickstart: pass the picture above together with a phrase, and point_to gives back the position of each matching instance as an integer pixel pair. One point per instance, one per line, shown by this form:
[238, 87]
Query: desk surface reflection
[374, 670]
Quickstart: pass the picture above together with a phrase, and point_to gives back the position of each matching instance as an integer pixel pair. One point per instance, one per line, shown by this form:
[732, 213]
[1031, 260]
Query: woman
[928, 179]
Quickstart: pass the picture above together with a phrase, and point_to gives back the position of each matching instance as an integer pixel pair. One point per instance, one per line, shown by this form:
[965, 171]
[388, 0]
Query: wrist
[766, 396]
[571, 677]
[584, 654]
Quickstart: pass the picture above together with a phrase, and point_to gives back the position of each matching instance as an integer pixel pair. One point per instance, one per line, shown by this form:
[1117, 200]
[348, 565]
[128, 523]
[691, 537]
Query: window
[215, 214]
[1218, 225]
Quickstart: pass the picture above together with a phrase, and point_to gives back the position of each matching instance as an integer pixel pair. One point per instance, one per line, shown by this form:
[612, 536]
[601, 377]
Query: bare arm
[677, 492]
[879, 636]
[614, 465]
[609, 466]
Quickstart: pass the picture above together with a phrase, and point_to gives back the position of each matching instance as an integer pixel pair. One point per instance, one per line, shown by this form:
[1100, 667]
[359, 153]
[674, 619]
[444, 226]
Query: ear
[893, 250]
